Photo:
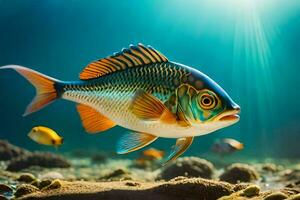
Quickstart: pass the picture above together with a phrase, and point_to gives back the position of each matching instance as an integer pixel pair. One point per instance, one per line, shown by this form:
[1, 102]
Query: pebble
[295, 197]
[250, 191]
[24, 189]
[3, 197]
[54, 185]
[276, 196]
[44, 183]
[26, 177]
[5, 189]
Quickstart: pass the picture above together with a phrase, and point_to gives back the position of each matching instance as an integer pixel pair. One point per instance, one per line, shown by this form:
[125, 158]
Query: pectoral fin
[92, 120]
[134, 141]
[147, 107]
[180, 147]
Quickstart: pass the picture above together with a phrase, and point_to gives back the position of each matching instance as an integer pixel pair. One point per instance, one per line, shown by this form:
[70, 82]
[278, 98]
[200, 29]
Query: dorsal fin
[132, 57]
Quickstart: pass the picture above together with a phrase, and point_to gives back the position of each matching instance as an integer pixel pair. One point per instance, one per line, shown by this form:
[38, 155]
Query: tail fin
[46, 92]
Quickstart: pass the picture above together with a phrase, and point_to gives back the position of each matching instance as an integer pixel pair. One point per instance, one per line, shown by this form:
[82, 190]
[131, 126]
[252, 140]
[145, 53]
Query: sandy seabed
[83, 175]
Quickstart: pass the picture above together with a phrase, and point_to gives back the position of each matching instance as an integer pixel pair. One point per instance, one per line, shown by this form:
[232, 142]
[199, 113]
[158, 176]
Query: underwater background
[251, 48]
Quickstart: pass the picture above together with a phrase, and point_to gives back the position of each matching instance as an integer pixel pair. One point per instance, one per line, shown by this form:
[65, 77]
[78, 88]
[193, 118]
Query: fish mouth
[229, 116]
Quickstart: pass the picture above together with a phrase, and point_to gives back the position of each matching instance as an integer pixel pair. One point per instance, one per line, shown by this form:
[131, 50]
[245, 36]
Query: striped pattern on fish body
[139, 89]
[112, 96]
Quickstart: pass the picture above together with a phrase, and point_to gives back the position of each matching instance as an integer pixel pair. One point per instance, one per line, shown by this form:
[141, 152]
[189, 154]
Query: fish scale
[115, 101]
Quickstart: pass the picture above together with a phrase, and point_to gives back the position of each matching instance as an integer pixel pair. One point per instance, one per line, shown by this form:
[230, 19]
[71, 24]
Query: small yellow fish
[153, 154]
[46, 136]
[149, 157]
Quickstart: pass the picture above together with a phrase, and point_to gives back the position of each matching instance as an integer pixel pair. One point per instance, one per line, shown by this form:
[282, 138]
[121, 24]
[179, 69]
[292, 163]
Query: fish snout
[233, 107]
[232, 113]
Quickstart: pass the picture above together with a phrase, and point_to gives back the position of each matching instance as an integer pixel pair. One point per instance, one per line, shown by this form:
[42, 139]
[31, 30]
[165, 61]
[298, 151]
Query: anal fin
[134, 141]
[92, 120]
[182, 144]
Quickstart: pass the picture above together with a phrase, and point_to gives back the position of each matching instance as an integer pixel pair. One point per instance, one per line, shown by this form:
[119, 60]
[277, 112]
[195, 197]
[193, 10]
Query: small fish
[46, 136]
[141, 90]
[227, 146]
[149, 156]
[153, 154]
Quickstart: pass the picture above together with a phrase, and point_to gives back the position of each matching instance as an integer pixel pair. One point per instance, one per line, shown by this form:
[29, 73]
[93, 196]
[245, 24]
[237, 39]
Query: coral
[41, 159]
[9, 151]
[188, 167]
[239, 173]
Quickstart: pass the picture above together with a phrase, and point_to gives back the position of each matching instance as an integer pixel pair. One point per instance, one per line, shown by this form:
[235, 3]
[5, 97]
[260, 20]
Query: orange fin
[134, 141]
[182, 144]
[92, 120]
[44, 85]
[147, 107]
[134, 56]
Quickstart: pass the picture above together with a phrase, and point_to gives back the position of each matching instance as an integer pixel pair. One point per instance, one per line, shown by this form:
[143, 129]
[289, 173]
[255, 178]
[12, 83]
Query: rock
[35, 183]
[48, 160]
[118, 174]
[44, 183]
[239, 173]
[5, 189]
[54, 185]
[9, 151]
[3, 197]
[99, 157]
[132, 183]
[248, 192]
[291, 175]
[51, 175]
[270, 167]
[252, 190]
[188, 167]
[26, 177]
[295, 197]
[276, 196]
[24, 189]
[191, 189]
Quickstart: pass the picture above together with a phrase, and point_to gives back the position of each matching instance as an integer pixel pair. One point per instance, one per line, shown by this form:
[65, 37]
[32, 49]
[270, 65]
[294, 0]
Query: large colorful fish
[141, 90]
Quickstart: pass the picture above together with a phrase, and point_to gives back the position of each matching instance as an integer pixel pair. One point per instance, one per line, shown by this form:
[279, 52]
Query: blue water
[251, 48]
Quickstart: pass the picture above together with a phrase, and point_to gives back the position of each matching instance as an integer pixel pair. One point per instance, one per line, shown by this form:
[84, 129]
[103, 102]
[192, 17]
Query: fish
[139, 89]
[226, 146]
[46, 136]
[149, 157]
[153, 154]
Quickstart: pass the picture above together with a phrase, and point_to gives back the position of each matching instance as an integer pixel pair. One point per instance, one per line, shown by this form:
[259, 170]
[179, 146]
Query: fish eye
[207, 101]
[34, 129]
